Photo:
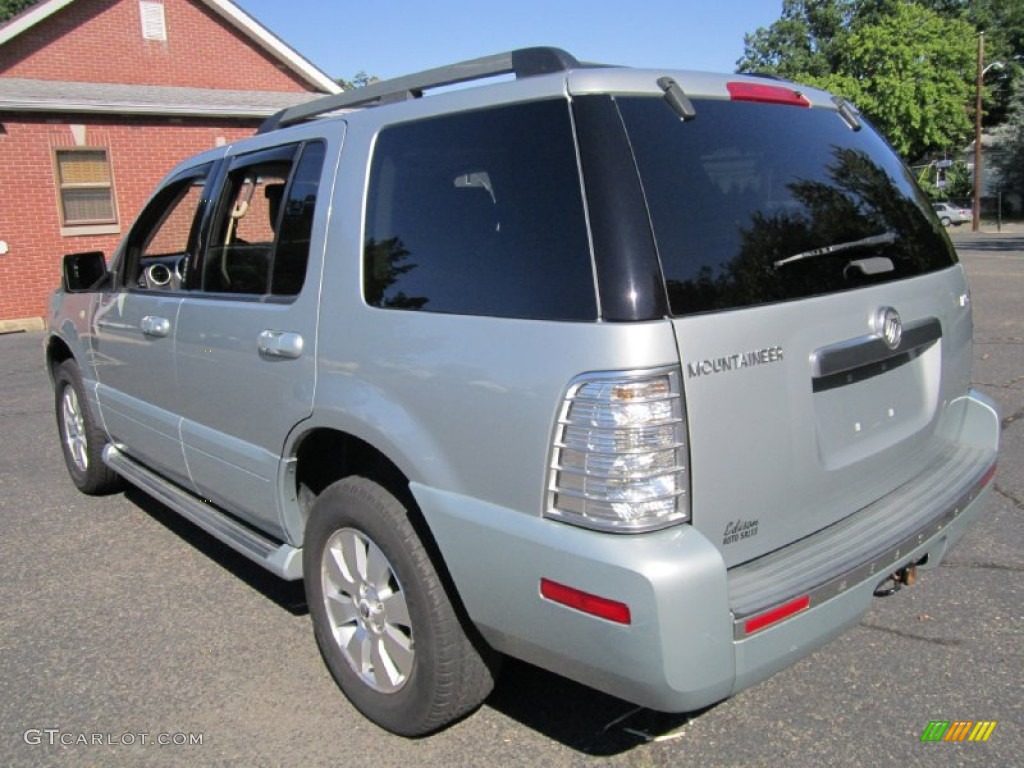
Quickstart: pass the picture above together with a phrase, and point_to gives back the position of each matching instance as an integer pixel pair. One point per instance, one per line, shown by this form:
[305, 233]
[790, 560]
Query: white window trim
[154, 22]
[85, 228]
[90, 229]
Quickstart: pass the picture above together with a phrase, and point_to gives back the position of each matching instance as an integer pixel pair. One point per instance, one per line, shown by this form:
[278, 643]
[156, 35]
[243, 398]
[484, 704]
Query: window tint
[480, 213]
[292, 253]
[161, 242]
[259, 243]
[747, 199]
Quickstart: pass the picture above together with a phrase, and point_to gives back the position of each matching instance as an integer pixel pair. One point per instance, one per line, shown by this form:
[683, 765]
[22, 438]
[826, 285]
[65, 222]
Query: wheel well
[57, 351]
[325, 456]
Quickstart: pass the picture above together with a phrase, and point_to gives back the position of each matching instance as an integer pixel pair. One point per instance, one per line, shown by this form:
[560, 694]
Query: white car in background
[951, 214]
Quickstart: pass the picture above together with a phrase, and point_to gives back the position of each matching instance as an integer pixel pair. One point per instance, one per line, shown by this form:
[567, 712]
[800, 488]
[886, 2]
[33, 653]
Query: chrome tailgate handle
[152, 325]
[280, 344]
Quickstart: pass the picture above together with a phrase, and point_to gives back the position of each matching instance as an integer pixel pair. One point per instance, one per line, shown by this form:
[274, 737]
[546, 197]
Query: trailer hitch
[895, 581]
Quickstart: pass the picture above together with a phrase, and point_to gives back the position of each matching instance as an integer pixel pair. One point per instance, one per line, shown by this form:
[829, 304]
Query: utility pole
[976, 210]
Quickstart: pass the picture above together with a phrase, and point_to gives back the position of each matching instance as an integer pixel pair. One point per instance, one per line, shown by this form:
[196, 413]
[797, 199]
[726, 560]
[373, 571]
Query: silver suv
[650, 378]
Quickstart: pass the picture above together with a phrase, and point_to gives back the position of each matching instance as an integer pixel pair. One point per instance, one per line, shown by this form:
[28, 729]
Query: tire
[383, 620]
[81, 438]
[946, 221]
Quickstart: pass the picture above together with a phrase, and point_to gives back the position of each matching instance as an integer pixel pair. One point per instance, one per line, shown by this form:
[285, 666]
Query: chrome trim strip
[881, 564]
[868, 350]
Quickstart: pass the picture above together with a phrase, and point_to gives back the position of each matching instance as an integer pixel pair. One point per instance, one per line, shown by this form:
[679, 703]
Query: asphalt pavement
[122, 627]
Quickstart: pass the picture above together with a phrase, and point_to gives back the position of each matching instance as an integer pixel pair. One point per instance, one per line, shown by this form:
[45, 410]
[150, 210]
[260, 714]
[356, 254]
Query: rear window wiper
[886, 238]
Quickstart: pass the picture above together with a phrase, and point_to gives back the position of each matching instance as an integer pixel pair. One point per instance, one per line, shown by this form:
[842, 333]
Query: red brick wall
[141, 152]
[101, 41]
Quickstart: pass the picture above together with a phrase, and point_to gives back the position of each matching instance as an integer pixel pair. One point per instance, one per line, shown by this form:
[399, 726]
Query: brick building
[99, 99]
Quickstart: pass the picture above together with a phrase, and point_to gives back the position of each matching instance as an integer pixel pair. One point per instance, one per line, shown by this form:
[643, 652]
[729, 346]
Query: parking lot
[129, 637]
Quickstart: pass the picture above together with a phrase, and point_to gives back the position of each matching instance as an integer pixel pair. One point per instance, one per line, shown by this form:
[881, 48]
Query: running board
[283, 560]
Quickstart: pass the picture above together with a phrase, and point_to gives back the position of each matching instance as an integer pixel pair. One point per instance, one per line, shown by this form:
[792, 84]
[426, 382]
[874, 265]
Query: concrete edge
[18, 325]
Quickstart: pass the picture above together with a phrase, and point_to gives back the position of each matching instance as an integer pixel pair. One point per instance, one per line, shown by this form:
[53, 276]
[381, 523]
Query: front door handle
[152, 325]
[280, 344]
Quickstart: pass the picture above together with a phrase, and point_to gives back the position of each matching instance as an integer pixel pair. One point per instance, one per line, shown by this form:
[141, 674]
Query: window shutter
[154, 25]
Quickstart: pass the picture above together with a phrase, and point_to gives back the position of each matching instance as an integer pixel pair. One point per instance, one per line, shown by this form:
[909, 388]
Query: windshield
[757, 203]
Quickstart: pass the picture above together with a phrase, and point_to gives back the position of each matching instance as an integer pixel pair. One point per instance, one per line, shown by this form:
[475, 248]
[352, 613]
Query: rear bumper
[841, 602]
[686, 645]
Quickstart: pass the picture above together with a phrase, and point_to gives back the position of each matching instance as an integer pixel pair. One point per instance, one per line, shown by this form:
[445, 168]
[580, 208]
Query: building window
[85, 187]
[154, 25]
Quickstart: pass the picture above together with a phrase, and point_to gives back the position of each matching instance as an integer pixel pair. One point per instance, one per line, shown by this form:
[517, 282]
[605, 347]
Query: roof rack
[525, 62]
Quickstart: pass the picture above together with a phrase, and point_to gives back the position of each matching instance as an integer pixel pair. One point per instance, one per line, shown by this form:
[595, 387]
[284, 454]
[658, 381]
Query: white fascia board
[30, 18]
[129, 108]
[273, 44]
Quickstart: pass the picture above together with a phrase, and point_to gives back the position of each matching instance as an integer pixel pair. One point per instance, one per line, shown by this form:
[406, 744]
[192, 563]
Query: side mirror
[84, 271]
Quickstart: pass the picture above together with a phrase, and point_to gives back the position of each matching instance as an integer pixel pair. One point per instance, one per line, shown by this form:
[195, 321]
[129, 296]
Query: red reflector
[601, 607]
[776, 614]
[769, 94]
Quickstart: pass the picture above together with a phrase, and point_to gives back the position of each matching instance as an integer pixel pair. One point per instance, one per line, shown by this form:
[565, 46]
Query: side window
[161, 243]
[259, 243]
[480, 213]
[293, 242]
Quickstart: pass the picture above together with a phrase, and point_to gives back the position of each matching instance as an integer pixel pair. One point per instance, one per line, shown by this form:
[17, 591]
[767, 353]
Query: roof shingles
[22, 95]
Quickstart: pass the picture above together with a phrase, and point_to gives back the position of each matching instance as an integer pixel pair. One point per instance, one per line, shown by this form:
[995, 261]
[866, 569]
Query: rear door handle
[152, 325]
[280, 344]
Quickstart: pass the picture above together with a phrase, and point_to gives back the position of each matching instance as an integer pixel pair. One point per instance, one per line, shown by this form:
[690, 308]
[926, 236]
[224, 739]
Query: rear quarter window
[745, 186]
[480, 213]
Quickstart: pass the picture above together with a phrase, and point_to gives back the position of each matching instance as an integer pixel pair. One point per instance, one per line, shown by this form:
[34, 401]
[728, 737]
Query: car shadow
[578, 717]
[290, 595]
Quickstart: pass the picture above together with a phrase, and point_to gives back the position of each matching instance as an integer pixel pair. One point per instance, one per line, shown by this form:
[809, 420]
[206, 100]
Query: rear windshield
[757, 203]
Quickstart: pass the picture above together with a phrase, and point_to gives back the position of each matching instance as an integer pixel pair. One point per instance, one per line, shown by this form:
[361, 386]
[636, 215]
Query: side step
[283, 560]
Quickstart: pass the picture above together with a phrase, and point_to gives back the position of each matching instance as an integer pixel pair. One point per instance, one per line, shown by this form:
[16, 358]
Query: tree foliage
[957, 177]
[910, 73]
[1002, 21]
[802, 42]
[11, 8]
[1010, 145]
[359, 80]
[909, 65]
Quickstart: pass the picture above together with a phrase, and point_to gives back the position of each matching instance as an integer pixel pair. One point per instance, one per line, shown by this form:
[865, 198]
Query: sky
[388, 38]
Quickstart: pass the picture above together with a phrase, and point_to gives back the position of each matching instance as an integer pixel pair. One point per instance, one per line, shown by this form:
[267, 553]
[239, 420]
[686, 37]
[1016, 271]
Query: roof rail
[525, 62]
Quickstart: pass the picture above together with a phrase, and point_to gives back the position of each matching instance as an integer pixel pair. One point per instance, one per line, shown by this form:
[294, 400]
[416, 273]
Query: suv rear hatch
[795, 247]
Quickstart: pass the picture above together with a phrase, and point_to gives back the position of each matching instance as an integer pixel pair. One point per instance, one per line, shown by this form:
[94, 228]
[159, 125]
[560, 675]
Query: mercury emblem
[888, 323]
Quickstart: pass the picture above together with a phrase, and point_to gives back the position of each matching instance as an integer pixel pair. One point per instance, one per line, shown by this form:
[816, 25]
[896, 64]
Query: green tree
[910, 72]
[1009, 157]
[959, 182]
[11, 8]
[1002, 21]
[802, 42]
[909, 69]
[359, 80]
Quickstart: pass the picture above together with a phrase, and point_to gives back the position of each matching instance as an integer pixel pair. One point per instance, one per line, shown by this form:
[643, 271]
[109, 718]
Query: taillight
[619, 454]
[766, 94]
